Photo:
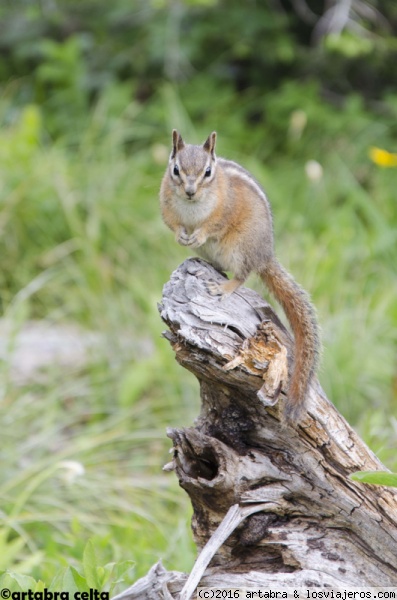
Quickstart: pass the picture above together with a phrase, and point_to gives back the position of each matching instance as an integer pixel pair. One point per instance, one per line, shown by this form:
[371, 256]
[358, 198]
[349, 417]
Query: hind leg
[224, 289]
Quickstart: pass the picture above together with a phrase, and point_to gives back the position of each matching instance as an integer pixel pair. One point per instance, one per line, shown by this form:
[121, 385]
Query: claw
[224, 289]
[214, 288]
[194, 240]
[182, 237]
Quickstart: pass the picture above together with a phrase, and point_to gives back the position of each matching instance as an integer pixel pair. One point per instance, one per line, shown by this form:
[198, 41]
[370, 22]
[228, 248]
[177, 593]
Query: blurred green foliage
[89, 92]
[64, 54]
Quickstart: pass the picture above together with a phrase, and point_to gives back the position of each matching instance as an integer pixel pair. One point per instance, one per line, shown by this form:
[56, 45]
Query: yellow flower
[383, 158]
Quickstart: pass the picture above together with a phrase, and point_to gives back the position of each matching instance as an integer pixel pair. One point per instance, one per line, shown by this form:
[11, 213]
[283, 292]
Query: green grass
[82, 242]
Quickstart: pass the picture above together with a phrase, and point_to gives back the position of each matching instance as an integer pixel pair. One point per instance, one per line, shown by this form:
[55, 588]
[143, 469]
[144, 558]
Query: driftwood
[273, 504]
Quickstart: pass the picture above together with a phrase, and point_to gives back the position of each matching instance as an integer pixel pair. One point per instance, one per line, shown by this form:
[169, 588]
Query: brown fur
[218, 207]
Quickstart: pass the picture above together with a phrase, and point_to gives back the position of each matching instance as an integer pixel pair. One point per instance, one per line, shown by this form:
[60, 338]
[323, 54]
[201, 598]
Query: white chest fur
[194, 212]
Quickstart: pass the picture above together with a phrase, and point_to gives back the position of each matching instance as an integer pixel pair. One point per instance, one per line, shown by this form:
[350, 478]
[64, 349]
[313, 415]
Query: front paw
[197, 239]
[194, 240]
[182, 237]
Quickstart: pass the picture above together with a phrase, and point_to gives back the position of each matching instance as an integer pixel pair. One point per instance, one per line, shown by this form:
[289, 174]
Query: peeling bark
[298, 520]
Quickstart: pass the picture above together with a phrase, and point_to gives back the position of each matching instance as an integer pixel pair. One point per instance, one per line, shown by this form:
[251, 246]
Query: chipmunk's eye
[176, 170]
[207, 172]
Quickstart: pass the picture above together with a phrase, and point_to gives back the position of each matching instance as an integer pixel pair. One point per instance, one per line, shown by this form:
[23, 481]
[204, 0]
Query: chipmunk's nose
[190, 190]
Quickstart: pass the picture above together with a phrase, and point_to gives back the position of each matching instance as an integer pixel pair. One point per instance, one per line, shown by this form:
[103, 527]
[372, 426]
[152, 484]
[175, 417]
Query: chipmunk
[216, 206]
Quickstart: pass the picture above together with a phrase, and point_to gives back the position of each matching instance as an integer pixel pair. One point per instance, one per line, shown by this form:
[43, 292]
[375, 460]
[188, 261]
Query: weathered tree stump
[293, 517]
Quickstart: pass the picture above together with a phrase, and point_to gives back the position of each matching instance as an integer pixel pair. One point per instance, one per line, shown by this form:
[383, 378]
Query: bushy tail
[302, 318]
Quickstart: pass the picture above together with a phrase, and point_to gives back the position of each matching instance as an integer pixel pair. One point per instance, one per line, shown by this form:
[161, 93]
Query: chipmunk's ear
[177, 142]
[209, 144]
